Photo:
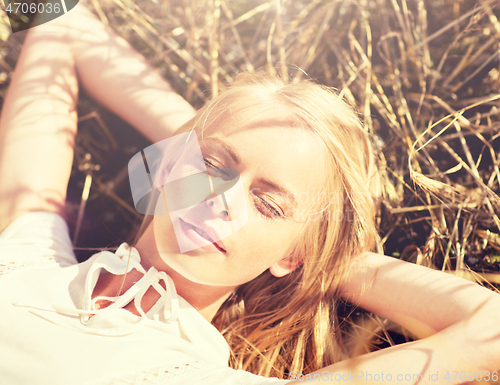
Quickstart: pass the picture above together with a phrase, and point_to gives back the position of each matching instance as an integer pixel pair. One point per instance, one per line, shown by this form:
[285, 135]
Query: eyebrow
[272, 185]
[281, 190]
[229, 149]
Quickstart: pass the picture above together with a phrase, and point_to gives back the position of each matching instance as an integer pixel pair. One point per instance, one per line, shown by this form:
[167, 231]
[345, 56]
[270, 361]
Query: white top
[51, 333]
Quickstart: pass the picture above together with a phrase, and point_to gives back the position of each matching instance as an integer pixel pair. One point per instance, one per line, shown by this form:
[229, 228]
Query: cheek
[164, 234]
[269, 240]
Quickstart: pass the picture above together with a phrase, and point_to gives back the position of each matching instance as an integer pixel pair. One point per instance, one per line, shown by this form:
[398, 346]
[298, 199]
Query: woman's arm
[37, 128]
[38, 121]
[461, 319]
[422, 300]
[120, 79]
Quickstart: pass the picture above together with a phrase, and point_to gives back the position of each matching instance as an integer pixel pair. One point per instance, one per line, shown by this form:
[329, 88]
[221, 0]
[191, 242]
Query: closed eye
[261, 205]
[267, 209]
[216, 169]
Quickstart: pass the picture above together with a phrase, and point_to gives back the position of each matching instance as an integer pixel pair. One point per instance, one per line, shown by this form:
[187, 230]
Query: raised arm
[460, 320]
[38, 121]
[119, 78]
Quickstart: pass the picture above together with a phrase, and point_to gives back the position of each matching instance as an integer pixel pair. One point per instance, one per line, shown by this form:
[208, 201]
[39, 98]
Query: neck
[206, 299]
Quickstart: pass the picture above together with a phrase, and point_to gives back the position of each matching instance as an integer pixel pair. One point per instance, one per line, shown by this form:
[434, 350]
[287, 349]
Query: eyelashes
[264, 208]
[260, 204]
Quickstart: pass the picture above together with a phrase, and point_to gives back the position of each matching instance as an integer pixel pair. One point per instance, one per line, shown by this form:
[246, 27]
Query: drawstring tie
[121, 262]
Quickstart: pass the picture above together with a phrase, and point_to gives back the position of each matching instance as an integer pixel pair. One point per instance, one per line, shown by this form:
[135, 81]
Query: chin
[175, 267]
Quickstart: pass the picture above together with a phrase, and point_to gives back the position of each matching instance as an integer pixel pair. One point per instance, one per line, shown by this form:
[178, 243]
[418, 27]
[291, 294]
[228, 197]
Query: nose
[218, 211]
[221, 197]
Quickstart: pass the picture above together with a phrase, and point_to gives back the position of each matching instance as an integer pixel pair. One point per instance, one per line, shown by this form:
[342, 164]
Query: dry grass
[425, 76]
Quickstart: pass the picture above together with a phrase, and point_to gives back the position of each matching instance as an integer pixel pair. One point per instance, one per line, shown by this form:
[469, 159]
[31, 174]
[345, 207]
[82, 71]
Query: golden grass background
[424, 76]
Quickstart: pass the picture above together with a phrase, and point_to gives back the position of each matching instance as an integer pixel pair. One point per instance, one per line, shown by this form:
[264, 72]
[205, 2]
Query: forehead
[246, 113]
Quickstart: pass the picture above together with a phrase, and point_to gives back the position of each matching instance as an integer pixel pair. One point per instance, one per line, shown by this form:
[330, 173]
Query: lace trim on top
[9, 267]
[156, 375]
[193, 372]
[36, 239]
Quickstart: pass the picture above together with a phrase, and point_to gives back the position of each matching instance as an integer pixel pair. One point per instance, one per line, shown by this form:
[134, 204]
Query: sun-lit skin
[264, 151]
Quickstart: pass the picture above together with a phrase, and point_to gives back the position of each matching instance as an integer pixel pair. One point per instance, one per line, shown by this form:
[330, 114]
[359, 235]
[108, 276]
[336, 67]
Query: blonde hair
[278, 325]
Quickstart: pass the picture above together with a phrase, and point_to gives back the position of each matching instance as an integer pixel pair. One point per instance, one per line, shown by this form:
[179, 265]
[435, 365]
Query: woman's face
[282, 170]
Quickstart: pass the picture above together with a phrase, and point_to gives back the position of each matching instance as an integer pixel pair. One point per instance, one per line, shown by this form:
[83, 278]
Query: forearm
[461, 321]
[37, 129]
[464, 349]
[120, 79]
[422, 300]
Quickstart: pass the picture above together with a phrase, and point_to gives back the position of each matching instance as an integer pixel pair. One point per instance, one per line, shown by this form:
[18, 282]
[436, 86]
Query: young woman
[146, 314]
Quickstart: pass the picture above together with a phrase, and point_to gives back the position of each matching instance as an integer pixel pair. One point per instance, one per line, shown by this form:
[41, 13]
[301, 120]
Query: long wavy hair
[278, 325]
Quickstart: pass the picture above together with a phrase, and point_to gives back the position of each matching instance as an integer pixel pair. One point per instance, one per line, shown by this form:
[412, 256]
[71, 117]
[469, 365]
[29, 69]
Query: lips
[205, 232]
